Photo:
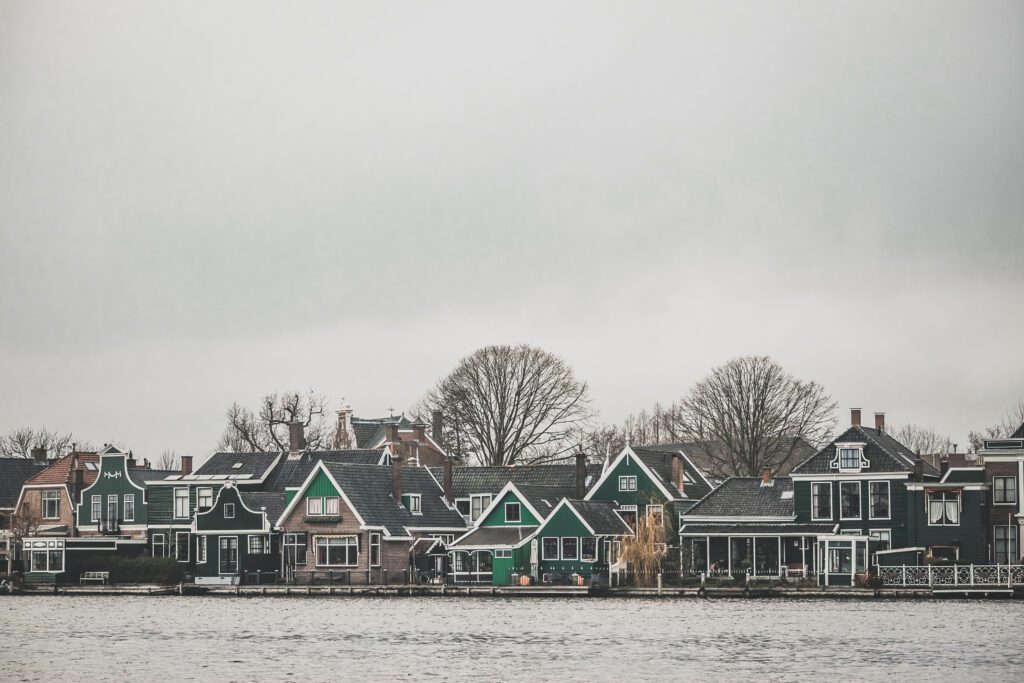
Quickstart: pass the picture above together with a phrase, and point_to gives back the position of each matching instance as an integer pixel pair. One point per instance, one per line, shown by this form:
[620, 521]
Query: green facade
[895, 524]
[497, 515]
[564, 523]
[117, 493]
[226, 538]
[647, 493]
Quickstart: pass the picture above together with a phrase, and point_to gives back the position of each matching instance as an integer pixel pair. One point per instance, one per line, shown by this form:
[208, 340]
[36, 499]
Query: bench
[102, 577]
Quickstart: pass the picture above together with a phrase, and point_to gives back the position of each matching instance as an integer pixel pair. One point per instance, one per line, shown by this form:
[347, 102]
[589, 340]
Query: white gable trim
[320, 467]
[626, 453]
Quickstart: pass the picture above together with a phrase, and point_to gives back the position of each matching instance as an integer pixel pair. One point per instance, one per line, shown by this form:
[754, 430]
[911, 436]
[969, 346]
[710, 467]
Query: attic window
[237, 466]
[849, 457]
[787, 495]
[90, 466]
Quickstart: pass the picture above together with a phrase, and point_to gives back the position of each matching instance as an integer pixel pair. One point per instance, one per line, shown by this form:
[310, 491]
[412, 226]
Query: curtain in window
[935, 511]
[953, 511]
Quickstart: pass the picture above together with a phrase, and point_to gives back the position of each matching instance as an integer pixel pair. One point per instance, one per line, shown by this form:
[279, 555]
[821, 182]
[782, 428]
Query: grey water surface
[486, 639]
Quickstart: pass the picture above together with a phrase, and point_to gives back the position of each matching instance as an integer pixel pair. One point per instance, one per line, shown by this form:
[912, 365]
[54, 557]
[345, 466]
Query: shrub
[142, 569]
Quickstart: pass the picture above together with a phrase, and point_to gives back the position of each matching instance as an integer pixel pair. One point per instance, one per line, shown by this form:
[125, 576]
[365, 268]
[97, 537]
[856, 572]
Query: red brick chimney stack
[581, 474]
[855, 417]
[880, 422]
[186, 465]
[449, 496]
[677, 473]
[396, 478]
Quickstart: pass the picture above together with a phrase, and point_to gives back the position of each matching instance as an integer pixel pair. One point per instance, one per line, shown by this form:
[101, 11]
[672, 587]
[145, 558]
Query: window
[228, 554]
[878, 491]
[181, 503]
[181, 544]
[882, 538]
[462, 506]
[478, 505]
[1005, 546]
[294, 549]
[627, 483]
[588, 549]
[570, 549]
[849, 458]
[513, 513]
[229, 510]
[129, 507]
[51, 504]
[503, 554]
[656, 513]
[550, 549]
[944, 553]
[204, 498]
[259, 545]
[314, 506]
[51, 560]
[628, 515]
[821, 500]
[159, 545]
[374, 549]
[849, 500]
[1004, 490]
[336, 551]
[414, 503]
[97, 508]
[332, 506]
[200, 549]
[112, 506]
[944, 508]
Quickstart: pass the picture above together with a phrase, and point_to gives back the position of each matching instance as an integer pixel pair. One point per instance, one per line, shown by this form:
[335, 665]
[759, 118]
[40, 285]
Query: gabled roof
[884, 453]
[468, 480]
[494, 536]
[745, 497]
[57, 472]
[368, 488]
[668, 489]
[659, 461]
[272, 501]
[292, 472]
[371, 431]
[711, 467]
[14, 472]
[544, 499]
[141, 475]
[256, 465]
[600, 517]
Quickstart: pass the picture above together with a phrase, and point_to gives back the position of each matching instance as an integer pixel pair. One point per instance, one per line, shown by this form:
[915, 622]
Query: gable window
[656, 515]
[1005, 546]
[588, 549]
[1004, 490]
[181, 545]
[229, 510]
[478, 505]
[627, 483]
[944, 508]
[570, 548]
[259, 545]
[294, 549]
[51, 504]
[200, 549]
[374, 549]
[332, 505]
[204, 498]
[878, 492]
[849, 458]
[97, 508]
[181, 503]
[314, 506]
[513, 513]
[414, 503]
[336, 551]
[159, 545]
[821, 500]
[129, 507]
[550, 548]
[849, 500]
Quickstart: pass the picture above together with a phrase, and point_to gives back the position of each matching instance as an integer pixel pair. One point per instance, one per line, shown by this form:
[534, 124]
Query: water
[536, 639]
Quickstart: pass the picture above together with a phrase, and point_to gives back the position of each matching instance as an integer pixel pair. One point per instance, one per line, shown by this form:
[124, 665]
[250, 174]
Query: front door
[228, 554]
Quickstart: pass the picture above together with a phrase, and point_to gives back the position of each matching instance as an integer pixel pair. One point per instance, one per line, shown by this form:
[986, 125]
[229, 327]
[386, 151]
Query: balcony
[111, 526]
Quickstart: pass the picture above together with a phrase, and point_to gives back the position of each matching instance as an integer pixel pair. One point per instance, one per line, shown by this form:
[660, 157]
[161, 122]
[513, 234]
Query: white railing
[953, 575]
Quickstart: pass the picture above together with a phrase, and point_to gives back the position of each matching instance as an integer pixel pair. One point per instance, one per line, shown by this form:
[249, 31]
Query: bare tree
[922, 439]
[510, 405]
[1011, 422]
[749, 414]
[266, 429]
[23, 523]
[19, 442]
[168, 460]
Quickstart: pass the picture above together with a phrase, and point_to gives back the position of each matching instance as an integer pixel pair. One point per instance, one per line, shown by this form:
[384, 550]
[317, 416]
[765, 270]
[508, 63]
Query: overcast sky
[201, 203]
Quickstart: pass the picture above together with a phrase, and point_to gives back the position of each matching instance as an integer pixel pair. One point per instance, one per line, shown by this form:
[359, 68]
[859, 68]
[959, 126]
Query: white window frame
[1012, 489]
[320, 504]
[860, 501]
[503, 554]
[188, 545]
[1012, 547]
[543, 548]
[200, 549]
[415, 503]
[46, 497]
[375, 544]
[238, 554]
[112, 500]
[660, 509]
[627, 482]
[229, 510]
[128, 505]
[485, 502]
[159, 540]
[597, 548]
[204, 492]
[176, 498]
[959, 510]
[814, 507]
[857, 455]
[519, 512]
[292, 541]
[561, 547]
[264, 544]
[332, 502]
[888, 496]
[96, 508]
[328, 539]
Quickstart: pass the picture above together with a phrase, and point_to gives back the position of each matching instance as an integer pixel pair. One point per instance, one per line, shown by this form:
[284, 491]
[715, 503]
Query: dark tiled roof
[255, 464]
[14, 472]
[58, 470]
[659, 461]
[271, 500]
[370, 431]
[885, 453]
[601, 517]
[490, 536]
[712, 529]
[141, 475]
[470, 480]
[369, 488]
[713, 468]
[745, 497]
[544, 499]
[1019, 434]
[292, 472]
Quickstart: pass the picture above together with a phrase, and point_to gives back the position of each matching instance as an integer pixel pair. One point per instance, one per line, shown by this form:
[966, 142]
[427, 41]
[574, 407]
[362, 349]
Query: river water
[486, 639]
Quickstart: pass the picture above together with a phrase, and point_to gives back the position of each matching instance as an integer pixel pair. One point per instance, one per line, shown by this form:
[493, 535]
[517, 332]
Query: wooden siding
[497, 516]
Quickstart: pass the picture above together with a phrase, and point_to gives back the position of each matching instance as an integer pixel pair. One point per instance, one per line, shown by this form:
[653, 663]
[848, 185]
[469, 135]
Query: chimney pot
[39, 455]
[296, 436]
[880, 421]
[186, 465]
[855, 417]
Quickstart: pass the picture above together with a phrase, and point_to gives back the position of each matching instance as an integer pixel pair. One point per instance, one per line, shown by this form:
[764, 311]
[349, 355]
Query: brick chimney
[766, 477]
[581, 473]
[186, 465]
[918, 468]
[880, 422]
[391, 434]
[855, 417]
[130, 460]
[39, 455]
[396, 478]
[449, 496]
[344, 435]
[296, 436]
[677, 473]
[436, 423]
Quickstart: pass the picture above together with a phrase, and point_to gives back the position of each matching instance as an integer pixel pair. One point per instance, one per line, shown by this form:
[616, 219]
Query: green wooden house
[116, 502]
[578, 543]
[497, 549]
[235, 541]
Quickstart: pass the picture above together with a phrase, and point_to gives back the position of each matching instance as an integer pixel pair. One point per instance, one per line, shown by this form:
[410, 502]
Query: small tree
[24, 523]
[645, 550]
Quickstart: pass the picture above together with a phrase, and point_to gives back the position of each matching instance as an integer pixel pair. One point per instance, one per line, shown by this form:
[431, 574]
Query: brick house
[1004, 471]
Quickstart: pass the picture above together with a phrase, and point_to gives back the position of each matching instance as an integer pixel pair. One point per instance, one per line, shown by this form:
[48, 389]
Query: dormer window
[849, 457]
